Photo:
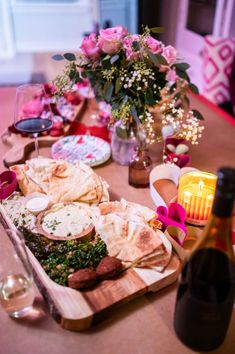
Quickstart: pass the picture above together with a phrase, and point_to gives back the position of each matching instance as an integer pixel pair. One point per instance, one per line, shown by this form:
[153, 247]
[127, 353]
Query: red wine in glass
[29, 106]
[33, 125]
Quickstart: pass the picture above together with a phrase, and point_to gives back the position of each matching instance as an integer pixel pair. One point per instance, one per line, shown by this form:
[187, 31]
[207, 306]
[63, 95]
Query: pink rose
[153, 45]
[90, 47]
[169, 53]
[110, 39]
[131, 54]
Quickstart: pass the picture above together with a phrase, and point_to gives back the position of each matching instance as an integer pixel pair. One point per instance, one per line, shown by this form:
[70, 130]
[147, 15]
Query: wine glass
[32, 111]
[16, 279]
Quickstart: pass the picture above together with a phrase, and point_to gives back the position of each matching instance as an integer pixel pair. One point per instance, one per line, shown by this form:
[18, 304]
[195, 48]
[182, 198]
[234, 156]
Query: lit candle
[196, 194]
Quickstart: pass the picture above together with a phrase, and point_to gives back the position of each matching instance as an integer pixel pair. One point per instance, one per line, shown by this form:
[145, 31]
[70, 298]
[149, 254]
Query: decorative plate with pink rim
[89, 149]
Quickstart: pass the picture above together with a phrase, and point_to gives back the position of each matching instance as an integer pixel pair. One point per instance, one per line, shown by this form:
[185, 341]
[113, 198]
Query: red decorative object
[78, 128]
[172, 147]
[8, 184]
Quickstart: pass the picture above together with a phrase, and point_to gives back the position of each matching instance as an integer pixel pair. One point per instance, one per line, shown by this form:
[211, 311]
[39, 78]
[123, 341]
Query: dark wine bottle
[206, 292]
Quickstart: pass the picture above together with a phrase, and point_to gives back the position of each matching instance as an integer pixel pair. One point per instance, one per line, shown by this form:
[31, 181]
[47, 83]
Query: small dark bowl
[8, 184]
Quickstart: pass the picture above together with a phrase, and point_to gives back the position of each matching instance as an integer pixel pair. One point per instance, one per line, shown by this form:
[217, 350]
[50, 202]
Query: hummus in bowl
[67, 221]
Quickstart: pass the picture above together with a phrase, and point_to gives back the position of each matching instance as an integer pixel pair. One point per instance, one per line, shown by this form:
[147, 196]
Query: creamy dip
[67, 220]
[37, 204]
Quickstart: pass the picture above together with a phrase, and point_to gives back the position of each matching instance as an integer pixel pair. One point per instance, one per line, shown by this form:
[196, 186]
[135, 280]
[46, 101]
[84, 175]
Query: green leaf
[125, 100]
[197, 114]
[136, 46]
[157, 29]
[153, 59]
[108, 91]
[121, 133]
[193, 88]
[114, 58]
[69, 56]
[118, 85]
[115, 105]
[134, 115]
[182, 74]
[182, 66]
[96, 88]
[57, 57]
[149, 99]
[161, 59]
[177, 96]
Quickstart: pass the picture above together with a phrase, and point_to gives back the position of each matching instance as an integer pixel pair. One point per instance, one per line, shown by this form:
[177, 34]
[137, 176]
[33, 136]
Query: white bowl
[37, 202]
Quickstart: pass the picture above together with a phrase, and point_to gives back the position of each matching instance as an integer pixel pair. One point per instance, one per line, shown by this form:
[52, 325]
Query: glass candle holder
[196, 193]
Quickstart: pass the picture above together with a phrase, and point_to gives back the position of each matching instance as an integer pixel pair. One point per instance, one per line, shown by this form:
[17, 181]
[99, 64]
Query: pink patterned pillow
[217, 65]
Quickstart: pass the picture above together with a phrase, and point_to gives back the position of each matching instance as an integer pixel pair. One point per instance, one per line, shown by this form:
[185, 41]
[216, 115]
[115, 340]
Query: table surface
[144, 325]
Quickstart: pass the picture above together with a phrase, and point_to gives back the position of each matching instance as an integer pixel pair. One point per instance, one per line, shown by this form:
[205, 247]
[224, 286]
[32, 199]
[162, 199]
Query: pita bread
[62, 181]
[124, 228]
[128, 208]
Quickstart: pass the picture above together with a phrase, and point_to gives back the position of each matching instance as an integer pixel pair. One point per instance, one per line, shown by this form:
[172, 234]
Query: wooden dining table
[144, 325]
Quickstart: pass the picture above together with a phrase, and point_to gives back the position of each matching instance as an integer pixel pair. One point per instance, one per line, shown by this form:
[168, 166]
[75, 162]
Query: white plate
[89, 149]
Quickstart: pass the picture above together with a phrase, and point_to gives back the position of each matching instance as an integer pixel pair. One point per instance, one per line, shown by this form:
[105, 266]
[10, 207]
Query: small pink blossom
[90, 47]
[131, 54]
[153, 45]
[110, 39]
[84, 89]
[171, 76]
[49, 90]
[169, 53]
[73, 97]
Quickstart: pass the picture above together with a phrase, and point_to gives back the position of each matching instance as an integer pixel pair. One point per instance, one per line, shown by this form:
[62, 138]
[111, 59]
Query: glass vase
[139, 168]
[123, 147]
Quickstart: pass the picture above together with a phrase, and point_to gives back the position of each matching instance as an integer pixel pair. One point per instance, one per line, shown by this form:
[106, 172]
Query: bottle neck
[223, 204]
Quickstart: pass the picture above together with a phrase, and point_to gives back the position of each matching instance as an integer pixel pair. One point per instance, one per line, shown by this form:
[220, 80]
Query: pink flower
[131, 54]
[90, 47]
[169, 54]
[73, 98]
[171, 76]
[49, 90]
[110, 39]
[153, 45]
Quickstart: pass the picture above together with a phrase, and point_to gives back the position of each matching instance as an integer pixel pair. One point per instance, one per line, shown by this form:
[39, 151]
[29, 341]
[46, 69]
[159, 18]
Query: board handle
[20, 152]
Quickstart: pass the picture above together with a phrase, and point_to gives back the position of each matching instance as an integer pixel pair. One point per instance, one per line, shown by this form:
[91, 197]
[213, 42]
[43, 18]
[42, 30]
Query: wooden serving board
[78, 310]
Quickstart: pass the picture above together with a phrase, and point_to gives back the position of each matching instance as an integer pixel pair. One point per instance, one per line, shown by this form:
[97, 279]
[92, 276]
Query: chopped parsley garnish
[52, 224]
[61, 258]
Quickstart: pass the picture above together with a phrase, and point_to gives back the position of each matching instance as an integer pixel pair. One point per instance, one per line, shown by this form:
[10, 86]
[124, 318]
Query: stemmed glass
[16, 279]
[32, 111]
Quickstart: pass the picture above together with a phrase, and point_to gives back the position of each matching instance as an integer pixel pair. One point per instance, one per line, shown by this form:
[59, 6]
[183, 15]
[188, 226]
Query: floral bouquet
[133, 73]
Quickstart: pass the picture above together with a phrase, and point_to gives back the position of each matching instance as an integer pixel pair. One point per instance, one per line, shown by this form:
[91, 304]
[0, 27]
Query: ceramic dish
[66, 221]
[89, 149]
